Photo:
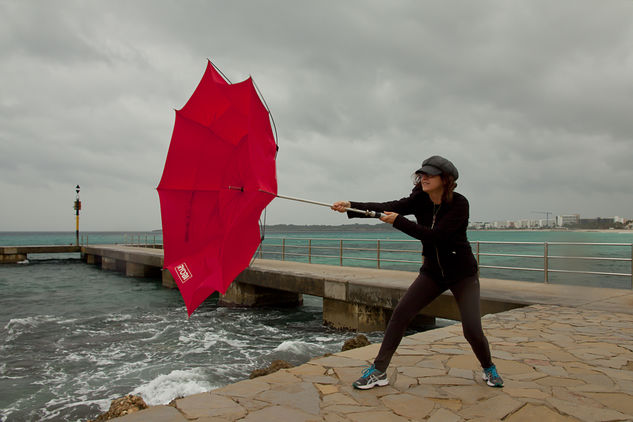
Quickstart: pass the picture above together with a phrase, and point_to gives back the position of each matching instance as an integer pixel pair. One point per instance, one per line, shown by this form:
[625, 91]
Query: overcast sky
[531, 100]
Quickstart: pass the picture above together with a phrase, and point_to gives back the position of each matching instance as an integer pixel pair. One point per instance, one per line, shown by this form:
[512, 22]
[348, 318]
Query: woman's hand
[389, 217]
[341, 206]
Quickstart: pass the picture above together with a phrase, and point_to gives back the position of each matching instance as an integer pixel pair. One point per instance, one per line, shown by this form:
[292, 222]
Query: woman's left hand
[389, 217]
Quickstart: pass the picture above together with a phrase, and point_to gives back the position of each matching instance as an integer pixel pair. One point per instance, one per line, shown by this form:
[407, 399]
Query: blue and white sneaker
[492, 378]
[370, 378]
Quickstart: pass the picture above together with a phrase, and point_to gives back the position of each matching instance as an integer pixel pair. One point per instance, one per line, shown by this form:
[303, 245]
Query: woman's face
[431, 184]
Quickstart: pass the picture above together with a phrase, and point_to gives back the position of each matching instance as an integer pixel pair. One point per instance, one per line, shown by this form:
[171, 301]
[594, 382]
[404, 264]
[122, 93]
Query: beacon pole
[77, 208]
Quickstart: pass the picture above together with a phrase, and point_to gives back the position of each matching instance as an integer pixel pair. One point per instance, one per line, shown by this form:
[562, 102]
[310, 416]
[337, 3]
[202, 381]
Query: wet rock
[121, 407]
[275, 366]
[356, 342]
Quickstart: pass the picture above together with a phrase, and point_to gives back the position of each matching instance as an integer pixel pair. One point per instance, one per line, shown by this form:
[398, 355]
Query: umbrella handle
[367, 213]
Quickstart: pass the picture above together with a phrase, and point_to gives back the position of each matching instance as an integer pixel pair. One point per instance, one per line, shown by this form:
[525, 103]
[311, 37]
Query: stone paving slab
[559, 364]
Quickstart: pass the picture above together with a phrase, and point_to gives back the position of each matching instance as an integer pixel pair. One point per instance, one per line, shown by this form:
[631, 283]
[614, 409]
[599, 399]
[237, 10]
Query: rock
[275, 366]
[121, 407]
[356, 342]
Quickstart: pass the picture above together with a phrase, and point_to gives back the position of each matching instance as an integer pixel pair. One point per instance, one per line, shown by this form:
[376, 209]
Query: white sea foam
[18, 326]
[31, 321]
[165, 388]
[295, 347]
[118, 318]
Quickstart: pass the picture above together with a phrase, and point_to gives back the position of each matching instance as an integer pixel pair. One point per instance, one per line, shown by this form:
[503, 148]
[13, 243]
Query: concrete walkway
[559, 364]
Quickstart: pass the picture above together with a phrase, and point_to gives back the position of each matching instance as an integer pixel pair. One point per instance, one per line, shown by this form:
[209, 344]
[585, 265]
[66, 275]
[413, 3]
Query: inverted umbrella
[219, 175]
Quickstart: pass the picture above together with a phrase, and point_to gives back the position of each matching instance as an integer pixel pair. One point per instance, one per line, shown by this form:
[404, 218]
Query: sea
[74, 337]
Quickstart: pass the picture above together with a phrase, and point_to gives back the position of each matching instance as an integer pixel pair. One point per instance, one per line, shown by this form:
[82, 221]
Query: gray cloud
[530, 100]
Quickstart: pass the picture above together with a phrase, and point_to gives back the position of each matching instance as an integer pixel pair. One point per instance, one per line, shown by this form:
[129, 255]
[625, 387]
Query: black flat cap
[438, 165]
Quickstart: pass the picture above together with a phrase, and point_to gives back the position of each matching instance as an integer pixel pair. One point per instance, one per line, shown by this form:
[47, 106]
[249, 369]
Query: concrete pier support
[111, 264]
[134, 269]
[12, 258]
[241, 294]
[92, 259]
[358, 317]
[168, 280]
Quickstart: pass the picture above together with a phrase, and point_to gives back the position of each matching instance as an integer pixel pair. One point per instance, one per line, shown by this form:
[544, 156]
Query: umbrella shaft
[323, 204]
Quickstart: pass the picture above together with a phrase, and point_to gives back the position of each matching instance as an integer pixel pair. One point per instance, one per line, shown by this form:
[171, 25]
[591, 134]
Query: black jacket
[448, 256]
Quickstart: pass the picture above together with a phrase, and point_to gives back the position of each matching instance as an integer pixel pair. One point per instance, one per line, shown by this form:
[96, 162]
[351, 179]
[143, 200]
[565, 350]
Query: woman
[442, 220]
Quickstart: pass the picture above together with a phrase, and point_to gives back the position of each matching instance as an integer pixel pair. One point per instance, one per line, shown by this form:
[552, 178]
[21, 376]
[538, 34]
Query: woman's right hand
[341, 206]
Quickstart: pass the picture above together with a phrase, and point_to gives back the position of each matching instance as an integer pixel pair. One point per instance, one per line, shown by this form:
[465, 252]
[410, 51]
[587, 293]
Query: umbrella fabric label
[183, 272]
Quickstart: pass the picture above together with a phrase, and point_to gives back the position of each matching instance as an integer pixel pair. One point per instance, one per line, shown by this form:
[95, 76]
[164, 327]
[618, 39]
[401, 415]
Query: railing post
[309, 251]
[632, 265]
[340, 249]
[546, 262]
[283, 249]
[477, 252]
[378, 254]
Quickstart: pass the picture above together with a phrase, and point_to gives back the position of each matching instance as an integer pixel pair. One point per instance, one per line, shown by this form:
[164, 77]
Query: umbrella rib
[323, 204]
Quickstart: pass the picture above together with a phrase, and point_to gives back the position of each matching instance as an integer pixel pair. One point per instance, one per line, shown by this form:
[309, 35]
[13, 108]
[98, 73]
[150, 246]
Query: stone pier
[11, 258]
[14, 254]
[559, 364]
[354, 298]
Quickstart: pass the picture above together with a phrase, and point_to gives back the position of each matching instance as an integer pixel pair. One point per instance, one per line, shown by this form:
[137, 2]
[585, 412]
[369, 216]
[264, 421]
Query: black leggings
[422, 292]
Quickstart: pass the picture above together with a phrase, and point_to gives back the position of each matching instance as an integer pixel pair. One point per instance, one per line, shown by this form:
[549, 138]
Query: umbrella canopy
[221, 158]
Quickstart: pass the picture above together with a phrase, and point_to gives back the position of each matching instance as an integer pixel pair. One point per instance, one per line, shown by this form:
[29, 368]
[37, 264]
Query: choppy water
[73, 337]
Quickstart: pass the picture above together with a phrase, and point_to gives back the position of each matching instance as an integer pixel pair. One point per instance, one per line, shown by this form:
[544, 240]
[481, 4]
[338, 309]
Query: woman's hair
[449, 186]
[447, 180]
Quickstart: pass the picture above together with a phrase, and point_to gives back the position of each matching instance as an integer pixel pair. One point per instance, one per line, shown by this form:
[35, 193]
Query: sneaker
[371, 377]
[492, 378]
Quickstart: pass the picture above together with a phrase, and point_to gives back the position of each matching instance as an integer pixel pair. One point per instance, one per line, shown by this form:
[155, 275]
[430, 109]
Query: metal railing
[408, 252]
[143, 240]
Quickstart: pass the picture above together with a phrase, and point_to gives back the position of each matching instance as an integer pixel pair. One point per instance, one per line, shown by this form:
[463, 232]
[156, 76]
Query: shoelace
[368, 371]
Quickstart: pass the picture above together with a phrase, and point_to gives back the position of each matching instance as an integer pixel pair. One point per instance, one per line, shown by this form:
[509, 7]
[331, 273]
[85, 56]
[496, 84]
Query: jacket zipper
[437, 255]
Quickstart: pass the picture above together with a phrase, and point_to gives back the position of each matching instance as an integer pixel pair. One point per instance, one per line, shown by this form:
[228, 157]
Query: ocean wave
[119, 318]
[296, 347]
[178, 383]
[18, 326]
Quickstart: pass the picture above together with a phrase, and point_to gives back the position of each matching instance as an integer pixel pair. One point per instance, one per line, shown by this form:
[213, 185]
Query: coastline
[618, 231]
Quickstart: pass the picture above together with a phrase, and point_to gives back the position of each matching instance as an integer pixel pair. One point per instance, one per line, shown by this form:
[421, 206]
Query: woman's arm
[403, 206]
[449, 223]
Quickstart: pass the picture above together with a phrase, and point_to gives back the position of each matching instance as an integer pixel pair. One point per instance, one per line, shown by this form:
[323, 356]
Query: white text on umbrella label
[183, 272]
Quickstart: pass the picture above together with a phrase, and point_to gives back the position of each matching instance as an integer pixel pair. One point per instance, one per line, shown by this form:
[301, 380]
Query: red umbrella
[221, 158]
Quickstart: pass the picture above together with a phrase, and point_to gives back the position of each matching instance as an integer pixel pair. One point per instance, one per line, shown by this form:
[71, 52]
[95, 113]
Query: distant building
[477, 225]
[566, 220]
[558, 221]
